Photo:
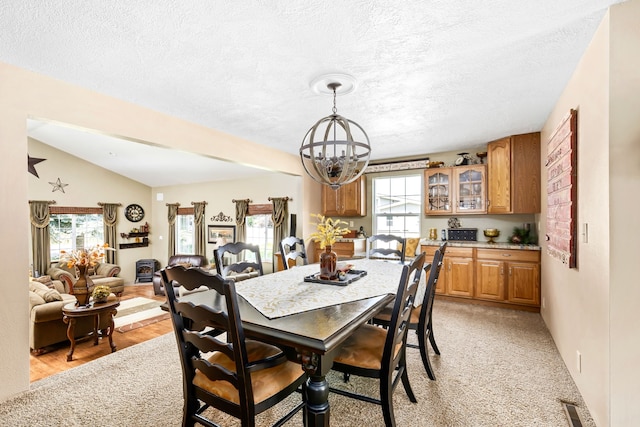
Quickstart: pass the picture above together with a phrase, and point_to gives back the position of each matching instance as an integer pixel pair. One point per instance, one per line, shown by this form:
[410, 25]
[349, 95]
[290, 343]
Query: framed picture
[221, 234]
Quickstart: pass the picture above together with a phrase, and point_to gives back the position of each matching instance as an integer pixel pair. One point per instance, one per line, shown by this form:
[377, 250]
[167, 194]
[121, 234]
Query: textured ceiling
[432, 76]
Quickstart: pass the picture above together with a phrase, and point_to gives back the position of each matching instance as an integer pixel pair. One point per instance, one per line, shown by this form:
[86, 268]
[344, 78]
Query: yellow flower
[328, 230]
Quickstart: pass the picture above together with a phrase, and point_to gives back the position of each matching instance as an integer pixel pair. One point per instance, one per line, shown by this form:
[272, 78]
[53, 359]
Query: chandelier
[329, 152]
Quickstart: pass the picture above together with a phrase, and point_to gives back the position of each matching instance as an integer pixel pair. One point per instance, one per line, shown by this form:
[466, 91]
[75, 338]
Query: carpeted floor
[498, 367]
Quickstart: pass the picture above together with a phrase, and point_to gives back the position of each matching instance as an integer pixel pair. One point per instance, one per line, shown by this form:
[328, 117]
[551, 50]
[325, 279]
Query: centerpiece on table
[328, 231]
[82, 259]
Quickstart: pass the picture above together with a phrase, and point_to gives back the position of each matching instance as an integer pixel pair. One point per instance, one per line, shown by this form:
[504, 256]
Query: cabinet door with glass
[438, 191]
[470, 189]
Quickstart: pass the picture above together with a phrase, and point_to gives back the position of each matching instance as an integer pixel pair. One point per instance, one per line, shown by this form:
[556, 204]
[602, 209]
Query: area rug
[137, 312]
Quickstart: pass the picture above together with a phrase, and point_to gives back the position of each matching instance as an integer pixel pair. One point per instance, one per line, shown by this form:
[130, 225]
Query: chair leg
[404, 376]
[386, 401]
[424, 353]
[345, 377]
[432, 340]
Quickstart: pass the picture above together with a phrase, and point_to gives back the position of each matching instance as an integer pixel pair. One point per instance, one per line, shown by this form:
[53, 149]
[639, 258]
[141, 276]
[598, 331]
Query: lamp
[336, 157]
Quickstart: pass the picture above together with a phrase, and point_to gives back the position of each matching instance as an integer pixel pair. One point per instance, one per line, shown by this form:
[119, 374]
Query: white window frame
[410, 215]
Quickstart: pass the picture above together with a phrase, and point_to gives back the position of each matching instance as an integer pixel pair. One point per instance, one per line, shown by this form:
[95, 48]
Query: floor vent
[572, 414]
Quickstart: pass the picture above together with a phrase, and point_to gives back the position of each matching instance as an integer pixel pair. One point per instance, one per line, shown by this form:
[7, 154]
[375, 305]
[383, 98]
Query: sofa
[185, 260]
[103, 274]
[46, 327]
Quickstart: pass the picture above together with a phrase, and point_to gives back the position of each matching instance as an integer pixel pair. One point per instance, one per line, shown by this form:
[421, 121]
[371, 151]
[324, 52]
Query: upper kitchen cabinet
[348, 200]
[513, 171]
[457, 190]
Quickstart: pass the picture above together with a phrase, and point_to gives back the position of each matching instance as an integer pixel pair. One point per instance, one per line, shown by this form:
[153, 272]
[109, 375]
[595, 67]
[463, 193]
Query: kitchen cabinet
[458, 190]
[345, 249]
[456, 273]
[508, 275]
[513, 174]
[348, 200]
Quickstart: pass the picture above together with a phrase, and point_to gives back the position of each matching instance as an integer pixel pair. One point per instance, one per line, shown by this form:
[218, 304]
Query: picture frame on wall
[221, 234]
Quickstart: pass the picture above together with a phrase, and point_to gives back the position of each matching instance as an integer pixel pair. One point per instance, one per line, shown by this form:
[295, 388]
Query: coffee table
[72, 312]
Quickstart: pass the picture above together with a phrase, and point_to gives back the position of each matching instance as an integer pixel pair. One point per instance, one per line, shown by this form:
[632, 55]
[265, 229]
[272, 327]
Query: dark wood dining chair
[386, 246]
[239, 376]
[292, 249]
[375, 352]
[247, 264]
[421, 319]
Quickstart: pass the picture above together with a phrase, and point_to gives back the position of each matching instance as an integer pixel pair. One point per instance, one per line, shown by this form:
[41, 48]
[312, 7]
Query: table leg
[316, 412]
[71, 335]
[96, 325]
[111, 327]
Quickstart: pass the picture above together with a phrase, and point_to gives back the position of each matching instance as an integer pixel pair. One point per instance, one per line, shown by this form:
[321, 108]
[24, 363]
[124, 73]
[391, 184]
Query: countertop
[482, 245]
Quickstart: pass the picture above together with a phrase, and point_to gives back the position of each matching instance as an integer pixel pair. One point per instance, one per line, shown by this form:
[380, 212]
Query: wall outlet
[544, 303]
[578, 361]
[351, 224]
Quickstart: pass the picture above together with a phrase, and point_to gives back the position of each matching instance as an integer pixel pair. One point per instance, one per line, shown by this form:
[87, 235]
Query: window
[74, 231]
[397, 205]
[260, 232]
[184, 234]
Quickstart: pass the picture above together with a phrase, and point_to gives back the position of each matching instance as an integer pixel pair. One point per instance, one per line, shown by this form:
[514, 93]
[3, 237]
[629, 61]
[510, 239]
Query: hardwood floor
[55, 359]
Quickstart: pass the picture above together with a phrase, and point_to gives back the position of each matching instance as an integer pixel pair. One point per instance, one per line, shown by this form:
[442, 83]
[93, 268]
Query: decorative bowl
[491, 233]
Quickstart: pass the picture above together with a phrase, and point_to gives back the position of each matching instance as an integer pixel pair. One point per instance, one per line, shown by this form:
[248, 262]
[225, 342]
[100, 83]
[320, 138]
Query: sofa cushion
[51, 310]
[35, 299]
[44, 291]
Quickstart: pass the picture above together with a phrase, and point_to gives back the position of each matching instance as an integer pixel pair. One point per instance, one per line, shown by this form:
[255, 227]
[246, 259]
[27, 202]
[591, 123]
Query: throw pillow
[43, 291]
[45, 280]
[35, 299]
[185, 264]
[410, 246]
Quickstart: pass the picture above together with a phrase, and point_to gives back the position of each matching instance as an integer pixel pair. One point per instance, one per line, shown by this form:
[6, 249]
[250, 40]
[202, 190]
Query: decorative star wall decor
[32, 162]
[58, 185]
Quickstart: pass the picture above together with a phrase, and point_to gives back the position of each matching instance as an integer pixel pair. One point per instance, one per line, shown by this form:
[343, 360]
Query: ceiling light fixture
[336, 157]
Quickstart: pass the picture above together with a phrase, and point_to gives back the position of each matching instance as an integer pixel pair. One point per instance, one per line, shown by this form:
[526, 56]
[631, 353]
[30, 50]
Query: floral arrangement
[101, 292]
[85, 257]
[328, 230]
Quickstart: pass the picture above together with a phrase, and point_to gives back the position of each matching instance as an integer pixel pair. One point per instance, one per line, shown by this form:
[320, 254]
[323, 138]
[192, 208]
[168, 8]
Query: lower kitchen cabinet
[509, 277]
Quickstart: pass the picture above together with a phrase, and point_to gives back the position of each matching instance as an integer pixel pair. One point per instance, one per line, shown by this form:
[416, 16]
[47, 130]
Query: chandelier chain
[334, 109]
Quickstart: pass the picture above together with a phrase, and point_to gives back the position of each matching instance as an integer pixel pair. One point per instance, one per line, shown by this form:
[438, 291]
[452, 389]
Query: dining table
[309, 319]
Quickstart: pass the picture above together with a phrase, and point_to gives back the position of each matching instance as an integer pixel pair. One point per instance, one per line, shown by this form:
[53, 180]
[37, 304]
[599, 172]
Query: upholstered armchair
[184, 260]
[103, 274]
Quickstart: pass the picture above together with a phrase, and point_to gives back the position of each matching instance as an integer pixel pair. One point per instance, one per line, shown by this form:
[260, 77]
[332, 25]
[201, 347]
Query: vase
[81, 288]
[328, 264]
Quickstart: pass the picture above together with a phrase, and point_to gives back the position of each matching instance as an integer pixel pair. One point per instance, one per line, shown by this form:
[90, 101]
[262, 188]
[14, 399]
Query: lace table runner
[285, 293]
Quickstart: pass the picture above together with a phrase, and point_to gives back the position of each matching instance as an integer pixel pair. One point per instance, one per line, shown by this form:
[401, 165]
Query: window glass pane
[397, 205]
[260, 232]
[73, 232]
[184, 234]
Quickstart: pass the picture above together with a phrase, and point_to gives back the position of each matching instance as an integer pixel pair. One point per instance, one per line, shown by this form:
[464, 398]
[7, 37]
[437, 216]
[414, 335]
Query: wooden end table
[72, 312]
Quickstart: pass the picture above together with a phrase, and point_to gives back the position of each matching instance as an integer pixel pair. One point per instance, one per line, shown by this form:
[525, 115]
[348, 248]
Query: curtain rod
[204, 201]
[286, 198]
[104, 203]
[241, 200]
[172, 204]
[51, 202]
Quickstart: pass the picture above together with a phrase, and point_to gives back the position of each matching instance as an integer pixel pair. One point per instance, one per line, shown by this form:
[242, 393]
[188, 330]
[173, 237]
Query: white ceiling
[432, 75]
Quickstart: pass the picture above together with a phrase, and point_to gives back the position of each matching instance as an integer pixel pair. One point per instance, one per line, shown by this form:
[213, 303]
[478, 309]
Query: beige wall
[592, 308]
[28, 95]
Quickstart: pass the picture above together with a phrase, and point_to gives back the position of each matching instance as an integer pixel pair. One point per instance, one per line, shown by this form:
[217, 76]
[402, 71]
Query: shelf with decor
[141, 236]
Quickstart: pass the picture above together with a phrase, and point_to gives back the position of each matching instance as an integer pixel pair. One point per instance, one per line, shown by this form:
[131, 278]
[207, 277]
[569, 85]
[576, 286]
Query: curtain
[40, 244]
[172, 214]
[280, 218]
[242, 206]
[110, 217]
[200, 233]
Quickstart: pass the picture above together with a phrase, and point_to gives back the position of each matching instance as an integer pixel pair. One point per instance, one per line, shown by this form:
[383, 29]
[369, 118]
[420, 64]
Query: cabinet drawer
[508, 255]
[458, 252]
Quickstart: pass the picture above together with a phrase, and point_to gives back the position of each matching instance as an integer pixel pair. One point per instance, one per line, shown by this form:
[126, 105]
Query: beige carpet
[498, 368]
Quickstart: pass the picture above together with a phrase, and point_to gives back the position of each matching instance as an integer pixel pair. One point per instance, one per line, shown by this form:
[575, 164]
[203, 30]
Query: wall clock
[134, 213]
